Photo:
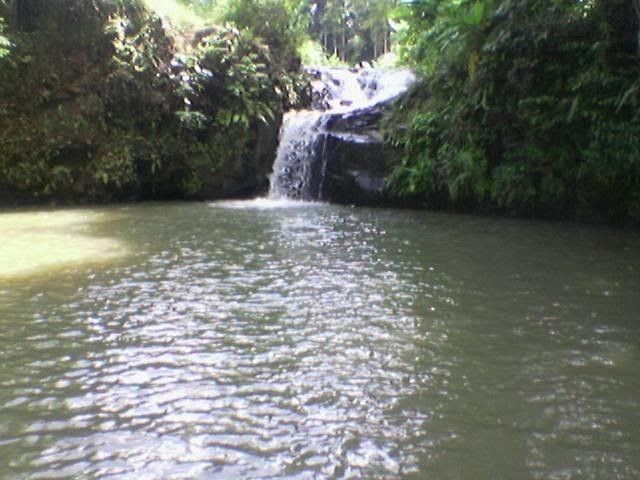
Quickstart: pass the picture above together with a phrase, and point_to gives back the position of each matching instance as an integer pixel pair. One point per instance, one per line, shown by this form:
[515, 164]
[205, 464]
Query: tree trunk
[344, 44]
[636, 6]
[26, 13]
[386, 41]
[318, 15]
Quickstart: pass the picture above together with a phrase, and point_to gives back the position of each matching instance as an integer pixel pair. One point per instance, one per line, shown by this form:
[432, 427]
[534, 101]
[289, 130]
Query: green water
[265, 340]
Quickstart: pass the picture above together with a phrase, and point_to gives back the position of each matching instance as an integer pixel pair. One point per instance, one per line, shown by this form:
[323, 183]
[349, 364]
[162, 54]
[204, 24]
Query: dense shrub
[97, 105]
[527, 107]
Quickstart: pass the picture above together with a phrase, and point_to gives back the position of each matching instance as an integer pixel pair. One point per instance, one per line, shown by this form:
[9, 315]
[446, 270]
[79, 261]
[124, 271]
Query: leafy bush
[274, 23]
[116, 114]
[312, 54]
[527, 107]
[228, 77]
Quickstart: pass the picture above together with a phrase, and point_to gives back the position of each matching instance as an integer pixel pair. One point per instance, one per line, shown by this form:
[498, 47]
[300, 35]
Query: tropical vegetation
[524, 107]
[4, 41]
[101, 101]
[528, 107]
[350, 31]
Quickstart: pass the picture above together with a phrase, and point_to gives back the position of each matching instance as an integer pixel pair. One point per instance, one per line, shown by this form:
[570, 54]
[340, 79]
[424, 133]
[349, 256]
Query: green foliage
[5, 44]
[272, 23]
[182, 15]
[228, 74]
[117, 114]
[446, 32]
[312, 53]
[610, 171]
[528, 107]
[418, 173]
[115, 169]
[465, 171]
[347, 31]
[264, 44]
[353, 31]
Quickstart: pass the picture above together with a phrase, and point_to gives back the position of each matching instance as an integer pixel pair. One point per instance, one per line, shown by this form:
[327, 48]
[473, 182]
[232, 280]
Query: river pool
[265, 339]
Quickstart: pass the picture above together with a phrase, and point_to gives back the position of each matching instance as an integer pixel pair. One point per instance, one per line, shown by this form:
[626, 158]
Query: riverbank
[102, 102]
[113, 104]
[526, 108]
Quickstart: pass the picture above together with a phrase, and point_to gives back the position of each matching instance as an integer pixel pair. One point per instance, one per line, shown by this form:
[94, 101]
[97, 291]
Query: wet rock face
[357, 160]
[357, 169]
[249, 175]
[336, 152]
[338, 158]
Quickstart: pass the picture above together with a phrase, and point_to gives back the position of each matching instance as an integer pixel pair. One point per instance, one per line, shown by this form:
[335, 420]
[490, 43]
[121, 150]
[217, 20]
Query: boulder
[357, 159]
[357, 168]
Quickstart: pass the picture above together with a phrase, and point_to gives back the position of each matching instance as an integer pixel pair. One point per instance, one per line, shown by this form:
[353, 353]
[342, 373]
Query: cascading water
[300, 166]
[300, 139]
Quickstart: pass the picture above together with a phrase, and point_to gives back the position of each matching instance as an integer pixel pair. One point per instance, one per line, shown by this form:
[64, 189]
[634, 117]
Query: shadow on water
[271, 339]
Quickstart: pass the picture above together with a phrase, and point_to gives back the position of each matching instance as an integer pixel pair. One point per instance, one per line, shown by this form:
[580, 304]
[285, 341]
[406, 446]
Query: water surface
[278, 340]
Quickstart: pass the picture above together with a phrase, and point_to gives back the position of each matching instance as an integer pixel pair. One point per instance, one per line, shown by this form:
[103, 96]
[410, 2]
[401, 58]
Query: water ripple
[310, 342]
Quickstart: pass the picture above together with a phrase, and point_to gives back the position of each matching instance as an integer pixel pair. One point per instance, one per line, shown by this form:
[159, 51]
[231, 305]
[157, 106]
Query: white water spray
[298, 171]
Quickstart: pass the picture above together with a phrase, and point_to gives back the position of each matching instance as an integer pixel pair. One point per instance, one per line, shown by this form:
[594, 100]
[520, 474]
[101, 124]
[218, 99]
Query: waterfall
[300, 140]
[300, 165]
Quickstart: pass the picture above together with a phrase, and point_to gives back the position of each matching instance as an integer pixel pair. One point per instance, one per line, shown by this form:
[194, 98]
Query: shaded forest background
[524, 107]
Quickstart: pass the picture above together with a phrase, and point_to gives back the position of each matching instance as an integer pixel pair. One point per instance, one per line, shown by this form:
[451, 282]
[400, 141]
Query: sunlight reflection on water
[40, 241]
[264, 203]
[261, 339]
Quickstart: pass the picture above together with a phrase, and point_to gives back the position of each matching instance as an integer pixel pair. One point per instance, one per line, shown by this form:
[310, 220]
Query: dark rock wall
[357, 168]
[357, 160]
